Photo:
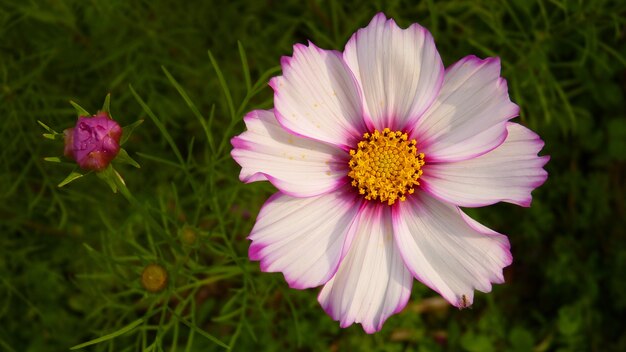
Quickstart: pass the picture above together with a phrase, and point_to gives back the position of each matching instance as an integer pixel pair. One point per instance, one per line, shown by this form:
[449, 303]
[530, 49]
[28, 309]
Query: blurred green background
[71, 258]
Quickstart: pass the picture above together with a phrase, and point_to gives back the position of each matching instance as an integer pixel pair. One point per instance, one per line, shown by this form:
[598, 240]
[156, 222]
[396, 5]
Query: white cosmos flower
[373, 151]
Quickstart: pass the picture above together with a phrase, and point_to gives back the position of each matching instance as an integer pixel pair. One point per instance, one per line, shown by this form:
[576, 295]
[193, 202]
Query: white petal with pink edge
[304, 238]
[399, 71]
[448, 251]
[297, 166]
[372, 282]
[470, 114]
[508, 173]
[318, 97]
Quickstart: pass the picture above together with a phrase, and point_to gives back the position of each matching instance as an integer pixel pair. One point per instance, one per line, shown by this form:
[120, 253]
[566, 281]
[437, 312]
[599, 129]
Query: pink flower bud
[93, 142]
[68, 135]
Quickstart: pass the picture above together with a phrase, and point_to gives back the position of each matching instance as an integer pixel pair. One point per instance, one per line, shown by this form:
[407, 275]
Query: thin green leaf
[220, 77]
[159, 160]
[52, 159]
[88, 247]
[79, 110]
[110, 336]
[200, 331]
[46, 127]
[127, 131]
[191, 106]
[159, 125]
[227, 317]
[123, 158]
[106, 107]
[121, 185]
[74, 175]
[244, 64]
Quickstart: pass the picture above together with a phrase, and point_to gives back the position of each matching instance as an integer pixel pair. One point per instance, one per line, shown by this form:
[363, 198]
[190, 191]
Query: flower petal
[318, 97]
[399, 71]
[470, 114]
[372, 282]
[297, 166]
[508, 173]
[448, 251]
[304, 238]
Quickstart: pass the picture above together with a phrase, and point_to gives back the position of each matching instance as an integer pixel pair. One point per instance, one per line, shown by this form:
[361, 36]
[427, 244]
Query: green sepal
[79, 110]
[114, 180]
[52, 133]
[47, 128]
[108, 175]
[74, 175]
[106, 107]
[128, 130]
[123, 158]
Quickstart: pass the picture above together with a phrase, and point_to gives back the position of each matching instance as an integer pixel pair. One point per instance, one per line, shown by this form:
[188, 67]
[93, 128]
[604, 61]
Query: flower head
[374, 151]
[93, 142]
[154, 278]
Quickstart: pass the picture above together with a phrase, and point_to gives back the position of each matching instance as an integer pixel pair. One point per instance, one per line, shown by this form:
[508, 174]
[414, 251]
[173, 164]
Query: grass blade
[220, 77]
[159, 125]
[110, 336]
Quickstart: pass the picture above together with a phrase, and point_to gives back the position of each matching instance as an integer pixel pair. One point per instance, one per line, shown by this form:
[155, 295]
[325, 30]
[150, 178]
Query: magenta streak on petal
[424, 140]
[506, 245]
[413, 121]
[242, 144]
[545, 159]
[281, 185]
[366, 118]
[403, 301]
[348, 243]
[522, 195]
[493, 277]
[398, 123]
[476, 61]
[351, 137]
[351, 232]
[395, 216]
[285, 61]
[257, 248]
[363, 204]
[254, 252]
[263, 209]
[434, 160]
[371, 318]
[328, 308]
[344, 250]
[430, 190]
[262, 176]
[281, 119]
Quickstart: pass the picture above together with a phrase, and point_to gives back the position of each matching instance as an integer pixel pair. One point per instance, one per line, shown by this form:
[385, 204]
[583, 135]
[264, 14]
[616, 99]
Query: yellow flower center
[386, 166]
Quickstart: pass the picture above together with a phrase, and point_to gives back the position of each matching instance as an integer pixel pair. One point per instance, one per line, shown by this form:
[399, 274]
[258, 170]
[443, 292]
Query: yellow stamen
[386, 166]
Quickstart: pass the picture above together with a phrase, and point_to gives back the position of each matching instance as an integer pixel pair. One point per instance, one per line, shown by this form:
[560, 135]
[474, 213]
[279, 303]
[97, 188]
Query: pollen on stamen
[386, 166]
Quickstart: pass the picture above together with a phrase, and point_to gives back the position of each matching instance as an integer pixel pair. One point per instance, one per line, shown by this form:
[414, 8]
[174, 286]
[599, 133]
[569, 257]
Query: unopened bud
[188, 235]
[154, 278]
[93, 142]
